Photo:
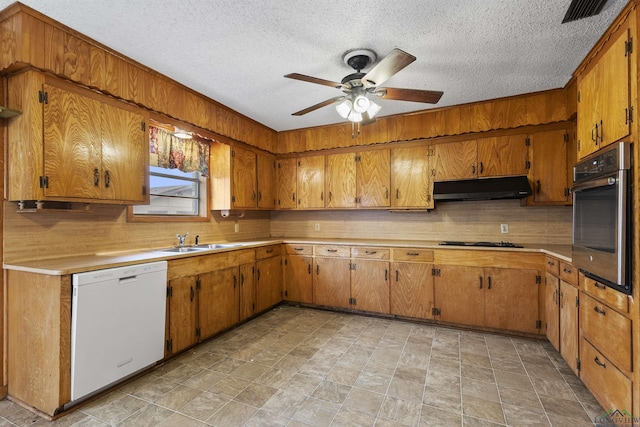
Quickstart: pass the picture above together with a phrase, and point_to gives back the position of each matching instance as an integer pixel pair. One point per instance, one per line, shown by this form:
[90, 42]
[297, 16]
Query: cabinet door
[268, 283]
[311, 182]
[552, 310]
[614, 88]
[373, 178]
[218, 301]
[588, 93]
[244, 193]
[409, 177]
[411, 289]
[287, 180]
[511, 299]
[502, 156]
[569, 335]
[341, 180]
[331, 282]
[370, 286]
[183, 317]
[459, 294]
[456, 160]
[125, 155]
[266, 181]
[548, 172]
[72, 145]
[247, 291]
[298, 279]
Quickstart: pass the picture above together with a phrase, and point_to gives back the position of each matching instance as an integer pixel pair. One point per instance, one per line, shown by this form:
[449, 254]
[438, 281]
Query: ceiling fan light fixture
[355, 117]
[361, 104]
[344, 108]
[373, 109]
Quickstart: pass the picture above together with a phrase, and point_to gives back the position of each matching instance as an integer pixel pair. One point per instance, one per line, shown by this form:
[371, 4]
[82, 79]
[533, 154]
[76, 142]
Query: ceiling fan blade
[315, 80]
[318, 105]
[415, 95]
[391, 64]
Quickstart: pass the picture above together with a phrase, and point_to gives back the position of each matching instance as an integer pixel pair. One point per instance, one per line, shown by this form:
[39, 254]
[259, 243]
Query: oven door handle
[600, 182]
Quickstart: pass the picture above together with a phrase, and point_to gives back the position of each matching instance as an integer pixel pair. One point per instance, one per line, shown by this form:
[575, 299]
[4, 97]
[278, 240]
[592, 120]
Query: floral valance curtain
[170, 152]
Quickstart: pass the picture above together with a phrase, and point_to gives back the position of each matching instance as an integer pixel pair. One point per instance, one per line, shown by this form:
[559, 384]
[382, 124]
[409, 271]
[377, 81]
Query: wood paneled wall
[460, 221]
[105, 229]
[28, 38]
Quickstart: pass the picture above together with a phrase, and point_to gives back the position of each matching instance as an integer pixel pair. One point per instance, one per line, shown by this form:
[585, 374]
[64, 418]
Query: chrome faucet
[181, 239]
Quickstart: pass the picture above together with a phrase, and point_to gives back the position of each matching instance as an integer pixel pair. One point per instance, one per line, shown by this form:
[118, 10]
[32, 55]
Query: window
[173, 192]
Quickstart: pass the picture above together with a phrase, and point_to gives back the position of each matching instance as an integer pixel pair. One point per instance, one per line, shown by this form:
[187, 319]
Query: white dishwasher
[117, 324]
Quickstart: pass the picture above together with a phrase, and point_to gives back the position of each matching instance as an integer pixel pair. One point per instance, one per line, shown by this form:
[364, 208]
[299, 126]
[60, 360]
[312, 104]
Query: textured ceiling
[237, 51]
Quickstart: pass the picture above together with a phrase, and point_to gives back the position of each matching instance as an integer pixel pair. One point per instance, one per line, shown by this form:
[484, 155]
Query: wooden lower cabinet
[411, 290]
[218, 301]
[298, 279]
[182, 308]
[498, 298]
[331, 282]
[247, 291]
[268, 282]
[552, 309]
[569, 333]
[370, 286]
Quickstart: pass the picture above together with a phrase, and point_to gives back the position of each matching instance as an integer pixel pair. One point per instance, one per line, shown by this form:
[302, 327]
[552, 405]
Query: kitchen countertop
[81, 263]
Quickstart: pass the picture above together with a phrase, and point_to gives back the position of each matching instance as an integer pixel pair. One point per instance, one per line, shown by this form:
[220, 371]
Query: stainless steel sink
[199, 248]
[181, 250]
[219, 245]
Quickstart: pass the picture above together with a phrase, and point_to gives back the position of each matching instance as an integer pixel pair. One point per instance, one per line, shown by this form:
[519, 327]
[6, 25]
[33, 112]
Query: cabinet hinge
[527, 164]
[358, 199]
[357, 158]
[428, 197]
[233, 153]
[435, 311]
[43, 97]
[567, 192]
[566, 137]
[299, 163]
[538, 324]
[279, 166]
[578, 364]
[233, 199]
[431, 152]
[578, 96]
[44, 182]
[198, 332]
[286, 293]
[352, 266]
[538, 279]
[143, 126]
[169, 292]
[628, 115]
[352, 301]
[253, 306]
[628, 46]
[527, 141]
[578, 302]
[144, 190]
[169, 345]
[435, 272]
[578, 145]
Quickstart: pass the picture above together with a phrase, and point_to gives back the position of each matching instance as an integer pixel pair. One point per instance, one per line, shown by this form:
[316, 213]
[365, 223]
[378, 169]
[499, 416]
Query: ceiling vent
[579, 9]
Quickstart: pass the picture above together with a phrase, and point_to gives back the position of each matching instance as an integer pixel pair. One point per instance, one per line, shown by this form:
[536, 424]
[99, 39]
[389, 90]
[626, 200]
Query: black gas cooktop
[483, 244]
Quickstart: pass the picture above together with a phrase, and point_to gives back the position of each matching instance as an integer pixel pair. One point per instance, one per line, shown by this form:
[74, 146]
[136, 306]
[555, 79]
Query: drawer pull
[599, 286]
[551, 263]
[332, 250]
[480, 282]
[488, 280]
[298, 249]
[269, 251]
[386, 275]
[599, 310]
[370, 252]
[413, 253]
[567, 270]
[599, 363]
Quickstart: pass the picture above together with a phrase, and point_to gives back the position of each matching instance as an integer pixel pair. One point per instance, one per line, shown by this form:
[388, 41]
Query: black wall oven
[602, 216]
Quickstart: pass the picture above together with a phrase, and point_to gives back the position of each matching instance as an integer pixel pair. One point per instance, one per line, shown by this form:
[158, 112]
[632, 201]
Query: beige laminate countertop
[81, 263]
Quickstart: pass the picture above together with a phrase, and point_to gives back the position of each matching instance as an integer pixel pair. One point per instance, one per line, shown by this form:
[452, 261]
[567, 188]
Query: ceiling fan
[356, 104]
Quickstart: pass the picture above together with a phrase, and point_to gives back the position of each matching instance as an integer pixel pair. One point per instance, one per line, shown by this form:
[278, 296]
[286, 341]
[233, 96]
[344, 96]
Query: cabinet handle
[594, 138]
[298, 249]
[599, 310]
[309, 268]
[397, 274]
[555, 296]
[599, 363]
[253, 195]
[332, 250]
[599, 286]
[258, 273]
[387, 194]
[538, 186]
[192, 293]
[413, 253]
[259, 196]
[293, 196]
[566, 270]
[480, 282]
[241, 279]
[481, 167]
[330, 195]
[386, 275]
[560, 299]
[317, 269]
[269, 251]
[322, 195]
[397, 193]
[235, 281]
[473, 169]
[489, 282]
[96, 177]
[107, 179]
[370, 252]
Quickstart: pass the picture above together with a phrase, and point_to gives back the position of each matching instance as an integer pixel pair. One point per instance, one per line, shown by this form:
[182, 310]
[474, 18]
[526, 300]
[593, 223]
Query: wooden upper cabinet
[603, 98]
[373, 178]
[266, 181]
[340, 177]
[94, 148]
[502, 156]
[244, 191]
[549, 163]
[410, 177]
[310, 182]
[287, 183]
[455, 161]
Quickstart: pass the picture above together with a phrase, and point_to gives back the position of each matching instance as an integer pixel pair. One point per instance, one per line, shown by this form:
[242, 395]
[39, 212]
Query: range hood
[512, 187]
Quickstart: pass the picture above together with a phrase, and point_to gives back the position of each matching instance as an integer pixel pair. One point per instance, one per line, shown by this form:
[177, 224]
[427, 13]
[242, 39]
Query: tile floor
[297, 367]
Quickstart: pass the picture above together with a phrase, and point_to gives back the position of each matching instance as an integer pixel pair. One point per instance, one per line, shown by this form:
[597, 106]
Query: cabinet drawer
[568, 273]
[299, 249]
[332, 250]
[371, 253]
[615, 299]
[606, 329]
[553, 266]
[268, 251]
[607, 383]
[413, 254]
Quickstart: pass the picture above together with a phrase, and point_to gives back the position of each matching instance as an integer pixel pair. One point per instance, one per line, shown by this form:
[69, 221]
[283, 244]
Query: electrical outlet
[237, 227]
[504, 228]
[317, 227]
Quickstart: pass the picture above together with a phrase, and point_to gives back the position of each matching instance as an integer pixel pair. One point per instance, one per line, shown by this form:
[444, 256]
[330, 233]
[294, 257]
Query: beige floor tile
[155, 389]
[178, 397]
[232, 414]
[373, 381]
[518, 397]
[203, 406]
[205, 379]
[443, 381]
[347, 417]
[150, 415]
[483, 409]
[364, 400]
[520, 416]
[511, 380]
[343, 375]
[229, 387]
[468, 421]
[566, 408]
[331, 392]
[405, 390]
[431, 416]
[113, 412]
[285, 403]
[179, 420]
[477, 373]
[411, 374]
[442, 399]
[484, 390]
[255, 395]
[263, 418]
[317, 412]
[401, 411]
[444, 366]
